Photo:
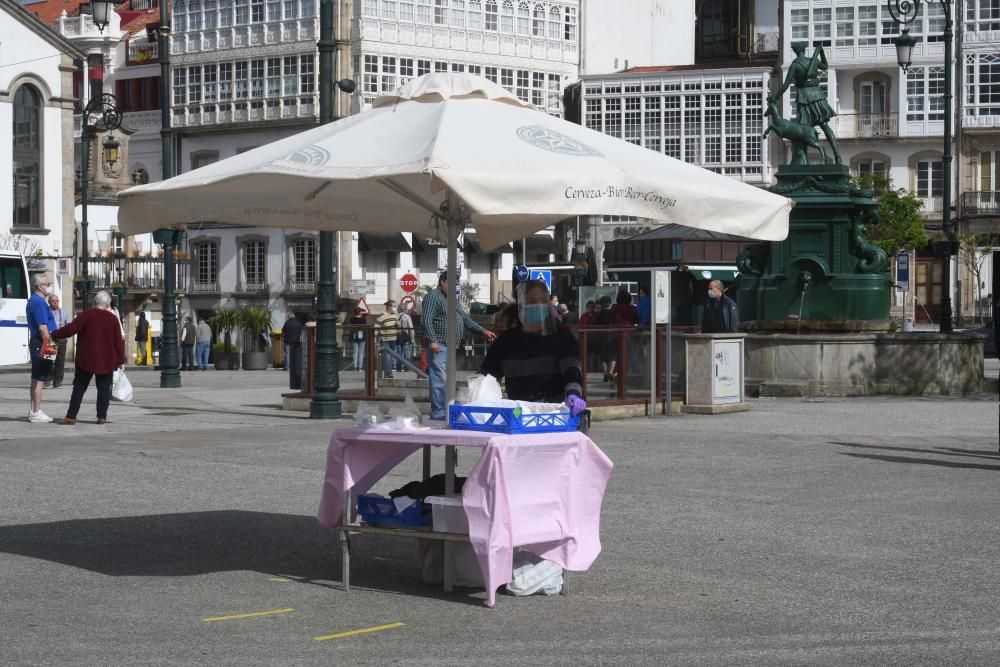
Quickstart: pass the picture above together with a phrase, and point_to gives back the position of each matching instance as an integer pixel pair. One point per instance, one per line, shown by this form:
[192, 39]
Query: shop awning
[725, 273]
[392, 242]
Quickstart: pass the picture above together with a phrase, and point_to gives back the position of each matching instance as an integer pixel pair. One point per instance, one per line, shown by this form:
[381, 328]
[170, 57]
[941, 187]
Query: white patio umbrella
[443, 152]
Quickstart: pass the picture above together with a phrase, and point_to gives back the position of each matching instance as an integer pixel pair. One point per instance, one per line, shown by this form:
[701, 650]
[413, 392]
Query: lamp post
[326, 375]
[904, 12]
[170, 375]
[100, 115]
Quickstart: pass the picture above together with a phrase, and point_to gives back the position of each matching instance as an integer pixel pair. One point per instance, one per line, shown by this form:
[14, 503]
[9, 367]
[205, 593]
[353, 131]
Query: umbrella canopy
[511, 168]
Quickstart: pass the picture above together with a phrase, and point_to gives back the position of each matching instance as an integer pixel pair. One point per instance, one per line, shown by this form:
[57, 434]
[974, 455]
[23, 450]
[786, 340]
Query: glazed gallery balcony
[136, 274]
[216, 113]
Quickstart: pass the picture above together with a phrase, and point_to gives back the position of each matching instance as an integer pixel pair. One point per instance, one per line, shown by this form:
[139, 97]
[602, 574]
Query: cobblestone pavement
[823, 531]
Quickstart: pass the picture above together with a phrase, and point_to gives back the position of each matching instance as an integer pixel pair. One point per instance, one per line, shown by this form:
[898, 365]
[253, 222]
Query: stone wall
[863, 364]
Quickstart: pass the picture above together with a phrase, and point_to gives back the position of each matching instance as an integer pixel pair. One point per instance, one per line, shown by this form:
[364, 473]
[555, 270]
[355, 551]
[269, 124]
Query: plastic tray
[508, 420]
[379, 511]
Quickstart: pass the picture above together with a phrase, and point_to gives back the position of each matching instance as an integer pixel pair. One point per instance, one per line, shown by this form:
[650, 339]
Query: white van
[14, 292]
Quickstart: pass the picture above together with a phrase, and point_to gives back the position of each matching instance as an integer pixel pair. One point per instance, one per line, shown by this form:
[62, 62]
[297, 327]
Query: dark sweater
[99, 345]
[536, 368]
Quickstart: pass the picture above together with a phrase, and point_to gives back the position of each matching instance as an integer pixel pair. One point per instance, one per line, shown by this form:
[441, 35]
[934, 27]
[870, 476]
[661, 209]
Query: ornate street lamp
[904, 12]
[101, 114]
[111, 146]
[101, 13]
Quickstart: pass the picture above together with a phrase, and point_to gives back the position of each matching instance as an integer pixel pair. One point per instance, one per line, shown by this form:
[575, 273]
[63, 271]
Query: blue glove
[576, 404]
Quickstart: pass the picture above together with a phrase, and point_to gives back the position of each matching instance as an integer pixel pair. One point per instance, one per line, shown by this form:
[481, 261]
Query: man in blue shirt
[41, 324]
[434, 321]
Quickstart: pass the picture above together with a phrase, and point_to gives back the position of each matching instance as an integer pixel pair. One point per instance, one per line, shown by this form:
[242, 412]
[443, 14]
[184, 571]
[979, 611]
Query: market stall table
[540, 492]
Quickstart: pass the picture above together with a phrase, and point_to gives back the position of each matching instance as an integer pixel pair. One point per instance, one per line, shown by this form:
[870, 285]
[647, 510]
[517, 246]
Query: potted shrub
[254, 321]
[224, 322]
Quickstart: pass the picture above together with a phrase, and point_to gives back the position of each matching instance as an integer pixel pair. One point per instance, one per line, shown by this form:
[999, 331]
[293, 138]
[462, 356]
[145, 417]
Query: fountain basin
[863, 364]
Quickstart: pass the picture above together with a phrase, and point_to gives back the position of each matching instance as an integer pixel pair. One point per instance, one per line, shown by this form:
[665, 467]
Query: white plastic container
[449, 515]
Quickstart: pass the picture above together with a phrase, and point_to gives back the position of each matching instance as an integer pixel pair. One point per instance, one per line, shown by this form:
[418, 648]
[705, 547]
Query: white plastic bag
[121, 388]
[534, 575]
[484, 390]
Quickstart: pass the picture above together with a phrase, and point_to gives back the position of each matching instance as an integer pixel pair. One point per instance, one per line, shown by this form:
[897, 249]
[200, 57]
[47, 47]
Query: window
[242, 11]
[27, 157]
[257, 83]
[491, 15]
[423, 11]
[255, 266]
[304, 262]
[225, 14]
[925, 94]
[226, 81]
[405, 69]
[982, 15]
[389, 9]
[370, 8]
[569, 33]
[273, 10]
[440, 12]
[982, 84]
[370, 84]
[871, 167]
[406, 11]
[930, 179]
[307, 75]
[800, 24]
[194, 84]
[291, 75]
[180, 85]
[211, 14]
[490, 73]
[554, 22]
[423, 67]
[257, 11]
[507, 16]
[523, 17]
[538, 20]
[388, 74]
[194, 15]
[203, 159]
[867, 25]
[206, 269]
[821, 26]
[989, 171]
[274, 77]
[457, 13]
[845, 26]
[475, 14]
[291, 9]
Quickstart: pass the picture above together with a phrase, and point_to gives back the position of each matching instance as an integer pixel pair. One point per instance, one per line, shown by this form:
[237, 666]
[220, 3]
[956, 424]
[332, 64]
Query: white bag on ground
[534, 575]
[121, 388]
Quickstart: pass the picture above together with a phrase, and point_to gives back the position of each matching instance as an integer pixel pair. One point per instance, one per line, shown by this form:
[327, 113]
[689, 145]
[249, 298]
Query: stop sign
[408, 283]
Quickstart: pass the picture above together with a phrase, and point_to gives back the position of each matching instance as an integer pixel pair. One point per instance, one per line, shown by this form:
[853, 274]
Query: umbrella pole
[452, 337]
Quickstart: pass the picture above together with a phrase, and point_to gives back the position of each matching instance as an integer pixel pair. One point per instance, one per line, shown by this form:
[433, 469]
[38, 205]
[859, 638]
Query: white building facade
[36, 123]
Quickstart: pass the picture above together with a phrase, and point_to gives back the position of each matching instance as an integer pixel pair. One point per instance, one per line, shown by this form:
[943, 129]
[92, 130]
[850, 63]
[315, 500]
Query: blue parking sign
[543, 275]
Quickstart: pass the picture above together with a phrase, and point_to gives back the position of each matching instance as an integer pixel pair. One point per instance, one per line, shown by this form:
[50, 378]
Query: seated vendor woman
[537, 357]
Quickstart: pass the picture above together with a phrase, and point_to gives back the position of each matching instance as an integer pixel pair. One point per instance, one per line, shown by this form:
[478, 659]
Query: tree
[973, 252]
[470, 292]
[20, 243]
[900, 226]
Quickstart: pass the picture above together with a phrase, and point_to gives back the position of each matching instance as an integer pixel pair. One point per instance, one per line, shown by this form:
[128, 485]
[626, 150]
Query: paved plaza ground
[807, 531]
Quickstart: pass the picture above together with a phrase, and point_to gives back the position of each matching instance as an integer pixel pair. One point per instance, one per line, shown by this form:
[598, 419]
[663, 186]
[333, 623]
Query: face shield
[533, 309]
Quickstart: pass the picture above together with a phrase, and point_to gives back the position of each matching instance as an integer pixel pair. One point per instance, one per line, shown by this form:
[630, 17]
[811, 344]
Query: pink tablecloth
[540, 492]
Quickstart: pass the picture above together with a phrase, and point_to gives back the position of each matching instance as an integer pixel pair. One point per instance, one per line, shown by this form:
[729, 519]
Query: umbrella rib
[406, 193]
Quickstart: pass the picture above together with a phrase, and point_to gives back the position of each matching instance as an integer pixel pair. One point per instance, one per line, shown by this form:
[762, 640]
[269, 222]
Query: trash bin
[277, 349]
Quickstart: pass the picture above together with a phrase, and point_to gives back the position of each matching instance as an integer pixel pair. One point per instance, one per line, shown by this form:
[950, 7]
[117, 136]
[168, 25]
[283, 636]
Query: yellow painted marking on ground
[279, 579]
[352, 633]
[253, 615]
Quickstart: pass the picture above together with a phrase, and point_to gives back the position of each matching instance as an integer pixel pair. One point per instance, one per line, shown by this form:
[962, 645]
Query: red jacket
[99, 345]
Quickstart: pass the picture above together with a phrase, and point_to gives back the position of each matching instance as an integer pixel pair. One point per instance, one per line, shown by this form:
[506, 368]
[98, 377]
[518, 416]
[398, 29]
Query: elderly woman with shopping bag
[99, 351]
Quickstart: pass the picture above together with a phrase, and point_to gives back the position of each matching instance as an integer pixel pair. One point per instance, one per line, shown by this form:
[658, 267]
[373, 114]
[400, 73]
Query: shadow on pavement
[926, 462]
[198, 543]
[979, 454]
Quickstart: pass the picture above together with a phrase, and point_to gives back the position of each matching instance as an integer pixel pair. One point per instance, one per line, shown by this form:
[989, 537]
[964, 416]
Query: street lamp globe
[101, 13]
[904, 49]
[346, 85]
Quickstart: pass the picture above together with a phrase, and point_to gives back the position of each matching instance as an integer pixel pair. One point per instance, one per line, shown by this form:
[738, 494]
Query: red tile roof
[132, 22]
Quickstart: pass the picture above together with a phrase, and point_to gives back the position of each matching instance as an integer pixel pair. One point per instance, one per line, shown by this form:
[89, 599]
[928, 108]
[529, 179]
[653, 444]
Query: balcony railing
[981, 203]
[140, 274]
[203, 286]
[932, 205]
[142, 5]
[249, 287]
[867, 125]
[301, 287]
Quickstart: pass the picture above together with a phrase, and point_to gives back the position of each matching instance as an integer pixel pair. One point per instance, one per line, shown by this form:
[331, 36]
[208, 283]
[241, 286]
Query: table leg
[427, 462]
[449, 488]
[345, 544]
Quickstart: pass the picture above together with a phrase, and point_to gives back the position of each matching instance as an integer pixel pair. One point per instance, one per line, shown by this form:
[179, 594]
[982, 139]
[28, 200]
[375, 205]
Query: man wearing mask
[721, 315]
[41, 324]
[59, 365]
[434, 321]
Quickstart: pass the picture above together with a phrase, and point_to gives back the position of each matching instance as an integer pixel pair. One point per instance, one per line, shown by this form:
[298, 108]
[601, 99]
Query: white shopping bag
[121, 388]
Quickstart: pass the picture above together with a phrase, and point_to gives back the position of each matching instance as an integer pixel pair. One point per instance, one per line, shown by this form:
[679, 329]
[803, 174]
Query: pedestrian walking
[188, 337]
[141, 338]
[291, 334]
[62, 319]
[41, 324]
[645, 307]
[607, 347]
[404, 342]
[434, 321]
[388, 334]
[358, 322]
[203, 343]
[721, 315]
[99, 351]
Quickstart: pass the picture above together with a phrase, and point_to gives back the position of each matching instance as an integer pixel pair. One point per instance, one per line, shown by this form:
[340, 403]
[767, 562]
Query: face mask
[711, 294]
[47, 289]
[392, 309]
[535, 314]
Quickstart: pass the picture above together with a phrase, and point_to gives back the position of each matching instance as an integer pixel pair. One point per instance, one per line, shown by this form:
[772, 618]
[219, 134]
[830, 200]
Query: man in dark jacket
[721, 315]
[189, 334]
[291, 333]
[141, 334]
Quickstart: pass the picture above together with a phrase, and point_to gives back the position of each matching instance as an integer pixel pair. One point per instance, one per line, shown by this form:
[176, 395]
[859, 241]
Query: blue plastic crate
[508, 420]
[379, 511]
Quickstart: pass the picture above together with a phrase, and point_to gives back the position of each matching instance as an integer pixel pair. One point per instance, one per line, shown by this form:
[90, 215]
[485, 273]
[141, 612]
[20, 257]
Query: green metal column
[326, 376]
[170, 375]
